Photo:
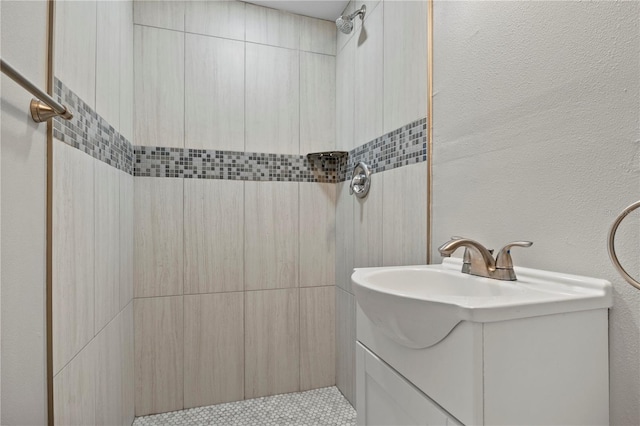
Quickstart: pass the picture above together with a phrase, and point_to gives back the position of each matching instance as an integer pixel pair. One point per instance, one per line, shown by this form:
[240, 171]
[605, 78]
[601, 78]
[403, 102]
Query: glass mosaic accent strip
[401, 147]
[90, 133]
[404, 146]
[233, 165]
[318, 407]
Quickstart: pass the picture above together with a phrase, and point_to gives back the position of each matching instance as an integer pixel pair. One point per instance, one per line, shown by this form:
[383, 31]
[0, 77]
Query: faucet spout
[482, 262]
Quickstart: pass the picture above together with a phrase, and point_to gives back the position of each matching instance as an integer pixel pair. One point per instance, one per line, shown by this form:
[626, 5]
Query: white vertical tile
[108, 62]
[346, 344]
[317, 234]
[214, 93]
[74, 390]
[342, 38]
[344, 235]
[159, 87]
[106, 243]
[372, 5]
[367, 227]
[128, 360]
[272, 342]
[158, 239]
[159, 362]
[126, 238]
[272, 27]
[213, 349]
[216, 18]
[317, 102]
[75, 48]
[317, 35]
[271, 235]
[272, 100]
[214, 240]
[317, 337]
[73, 252]
[345, 96]
[126, 69]
[405, 63]
[108, 374]
[369, 78]
[167, 14]
[405, 210]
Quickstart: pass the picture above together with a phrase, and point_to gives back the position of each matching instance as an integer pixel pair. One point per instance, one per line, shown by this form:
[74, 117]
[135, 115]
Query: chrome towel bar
[612, 250]
[42, 108]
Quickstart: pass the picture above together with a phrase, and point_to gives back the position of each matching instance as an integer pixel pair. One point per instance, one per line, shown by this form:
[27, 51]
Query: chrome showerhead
[345, 23]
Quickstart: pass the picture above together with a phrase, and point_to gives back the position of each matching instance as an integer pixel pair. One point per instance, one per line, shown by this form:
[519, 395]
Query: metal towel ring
[612, 251]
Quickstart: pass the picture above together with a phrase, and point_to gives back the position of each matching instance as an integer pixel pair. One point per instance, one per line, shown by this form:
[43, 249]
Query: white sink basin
[417, 306]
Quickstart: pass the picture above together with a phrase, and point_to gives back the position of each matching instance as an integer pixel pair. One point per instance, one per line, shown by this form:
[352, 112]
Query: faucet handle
[503, 259]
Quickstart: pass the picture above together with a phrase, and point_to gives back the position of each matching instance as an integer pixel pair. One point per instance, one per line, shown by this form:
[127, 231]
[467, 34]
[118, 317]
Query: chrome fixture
[43, 108]
[360, 180]
[327, 155]
[478, 260]
[345, 23]
[612, 250]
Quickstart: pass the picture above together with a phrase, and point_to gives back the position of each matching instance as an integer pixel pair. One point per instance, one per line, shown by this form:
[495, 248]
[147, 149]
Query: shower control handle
[360, 180]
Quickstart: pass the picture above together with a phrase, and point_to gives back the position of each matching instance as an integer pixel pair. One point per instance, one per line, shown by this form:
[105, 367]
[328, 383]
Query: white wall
[536, 110]
[23, 165]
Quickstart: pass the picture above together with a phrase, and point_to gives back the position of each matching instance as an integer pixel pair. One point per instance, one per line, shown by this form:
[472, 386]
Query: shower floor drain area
[318, 407]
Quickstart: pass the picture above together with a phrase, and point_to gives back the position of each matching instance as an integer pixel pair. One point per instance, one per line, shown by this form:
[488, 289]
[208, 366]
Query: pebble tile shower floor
[318, 407]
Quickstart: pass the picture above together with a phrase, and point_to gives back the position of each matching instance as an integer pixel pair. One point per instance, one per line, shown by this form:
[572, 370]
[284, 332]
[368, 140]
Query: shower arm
[360, 12]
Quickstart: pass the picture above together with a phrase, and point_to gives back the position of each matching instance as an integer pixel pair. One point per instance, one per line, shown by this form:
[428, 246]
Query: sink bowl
[418, 306]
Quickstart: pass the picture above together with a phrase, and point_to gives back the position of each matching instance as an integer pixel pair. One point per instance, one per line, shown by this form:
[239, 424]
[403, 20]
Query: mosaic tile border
[232, 165]
[90, 133]
[401, 147]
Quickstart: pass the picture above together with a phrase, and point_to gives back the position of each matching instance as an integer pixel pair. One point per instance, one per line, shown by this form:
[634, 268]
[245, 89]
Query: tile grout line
[234, 39]
[184, 143]
[244, 212]
[233, 291]
[298, 206]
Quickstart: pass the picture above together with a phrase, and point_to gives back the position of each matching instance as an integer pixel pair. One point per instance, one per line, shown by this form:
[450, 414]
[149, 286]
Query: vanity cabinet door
[386, 398]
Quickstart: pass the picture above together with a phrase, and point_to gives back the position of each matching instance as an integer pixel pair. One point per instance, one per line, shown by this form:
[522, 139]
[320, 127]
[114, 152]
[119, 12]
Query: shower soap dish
[325, 155]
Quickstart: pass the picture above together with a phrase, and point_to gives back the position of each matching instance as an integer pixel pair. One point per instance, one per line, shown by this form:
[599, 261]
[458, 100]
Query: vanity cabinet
[386, 398]
[545, 370]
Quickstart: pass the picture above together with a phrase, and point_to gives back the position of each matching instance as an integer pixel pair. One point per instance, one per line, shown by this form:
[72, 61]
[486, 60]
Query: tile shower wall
[381, 77]
[93, 348]
[234, 228]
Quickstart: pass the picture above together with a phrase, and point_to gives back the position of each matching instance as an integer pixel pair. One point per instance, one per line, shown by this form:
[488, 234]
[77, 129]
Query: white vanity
[438, 347]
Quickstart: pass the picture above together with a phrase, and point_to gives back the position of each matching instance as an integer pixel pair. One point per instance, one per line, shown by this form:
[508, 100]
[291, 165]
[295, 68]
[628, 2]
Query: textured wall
[536, 109]
[23, 359]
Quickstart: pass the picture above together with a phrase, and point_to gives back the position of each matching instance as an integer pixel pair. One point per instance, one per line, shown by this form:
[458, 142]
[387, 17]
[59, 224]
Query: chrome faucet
[478, 260]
